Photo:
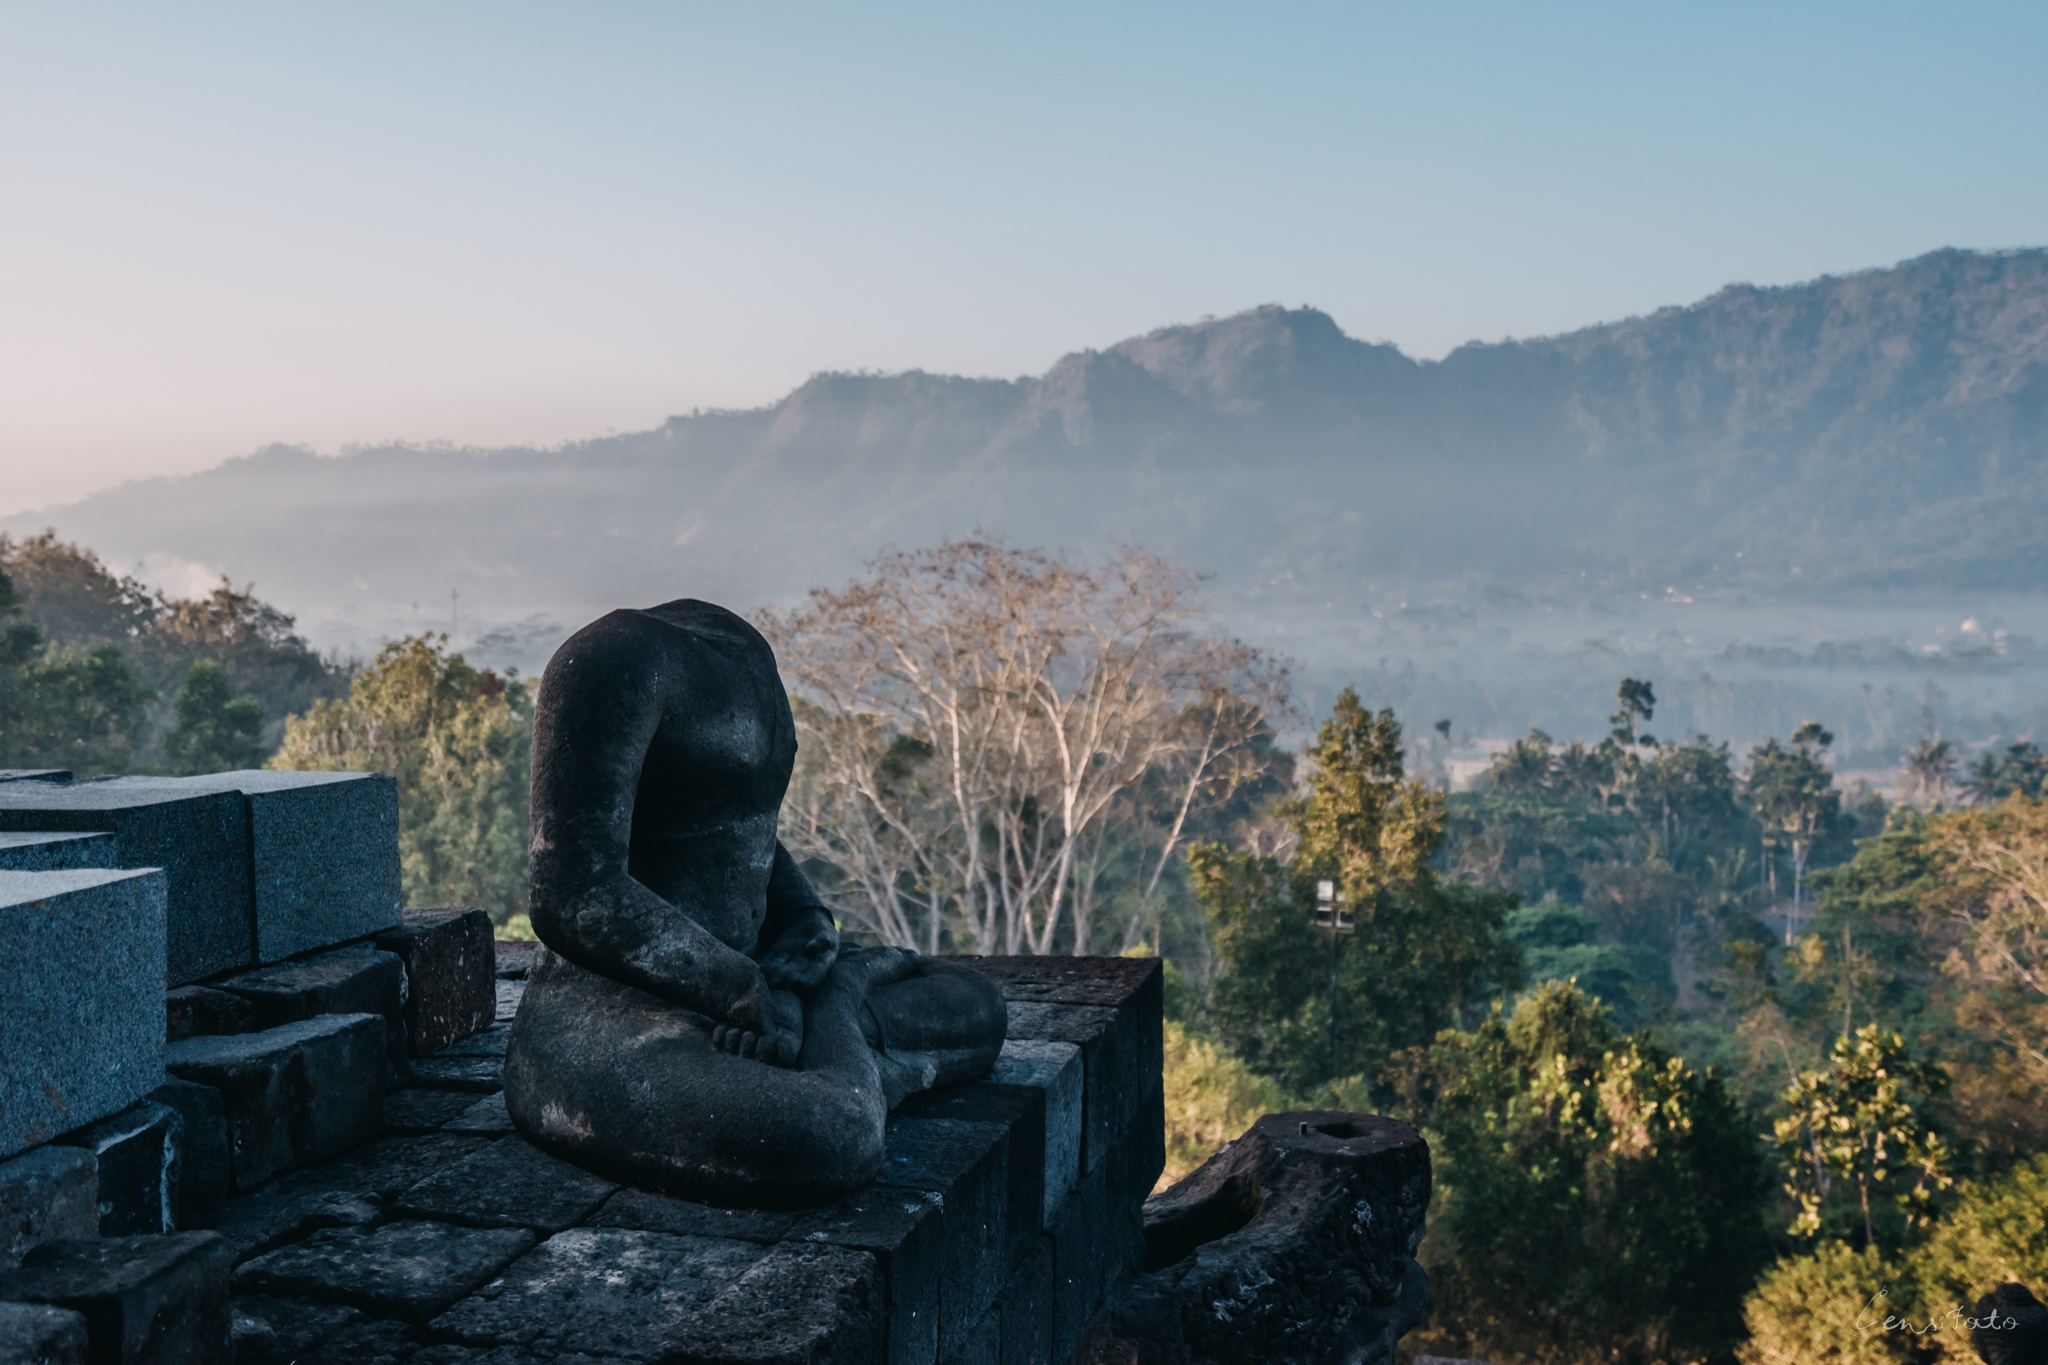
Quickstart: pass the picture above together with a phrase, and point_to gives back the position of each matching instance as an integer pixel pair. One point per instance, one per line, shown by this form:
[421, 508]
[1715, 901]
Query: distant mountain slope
[1875, 429]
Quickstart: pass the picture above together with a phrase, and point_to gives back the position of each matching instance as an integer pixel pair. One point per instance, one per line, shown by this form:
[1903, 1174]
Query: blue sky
[226, 225]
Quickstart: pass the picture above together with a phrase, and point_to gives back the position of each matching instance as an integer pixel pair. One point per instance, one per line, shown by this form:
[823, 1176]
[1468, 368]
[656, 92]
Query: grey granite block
[145, 1300]
[196, 1011]
[266, 1329]
[423, 1111]
[509, 1184]
[649, 1212]
[37, 1334]
[487, 1115]
[324, 853]
[1026, 1309]
[354, 980]
[1054, 1068]
[56, 852]
[291, 1095]
[602, 1291]
[204, 1180]
[1020, 1111]
[905, 1231]
[801, 1303]
[82, 1008]
[451, 975]
[200, 839]
[966, 1164]
[411, 1270]
[137, 1154]
[48, 1195]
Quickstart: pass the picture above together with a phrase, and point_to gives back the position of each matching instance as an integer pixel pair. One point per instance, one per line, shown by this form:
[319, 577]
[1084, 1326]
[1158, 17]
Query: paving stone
[46, 1195]
[488, 1115]
[1026, 1309]
[38, 1334]
[508, 1184]
[422, 1111]
[451, 975]
[56, 852]
[603, 1291]
[966, 1164]
[1056, 1069]
[510, 993]
[1020, 1111]
[799, 1304]
[516, 957]
[81, 1016]
[144, 1299]
[410, 1270]
[477, 1075]
[193, 1011]
[267, 1331]
[323, 848]
[354, 980]
[650, 1212]
[199, 839]
[137, 1155]
[371, 1342]
[291, 1209]
[489, 1042]
[905, 1230]
[291, 1095]
[394, 1165]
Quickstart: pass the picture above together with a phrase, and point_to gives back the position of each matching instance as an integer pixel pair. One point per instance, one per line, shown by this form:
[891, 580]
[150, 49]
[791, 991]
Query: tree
[1929, 765]
[459, 741]
[1996, 893]
[979, 726]
[1636, 701]
[216, 731]
[82, 709]
[1793, 796]
[2022, 770]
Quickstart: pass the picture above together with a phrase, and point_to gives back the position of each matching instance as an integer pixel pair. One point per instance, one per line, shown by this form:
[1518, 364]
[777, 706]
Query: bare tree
[979, 725]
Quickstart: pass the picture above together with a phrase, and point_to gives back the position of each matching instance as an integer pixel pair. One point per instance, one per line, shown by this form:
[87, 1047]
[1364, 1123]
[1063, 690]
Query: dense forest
[1718, 1060]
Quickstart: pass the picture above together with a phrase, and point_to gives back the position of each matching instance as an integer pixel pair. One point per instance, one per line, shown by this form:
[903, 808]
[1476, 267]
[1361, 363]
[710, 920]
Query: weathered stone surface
[46, 1195]
[291, 1095]
[267, 1330]
[205, 1179]
[966, 1163]
[1020, 1112]
[56, 852]
[603, 1291]
[82, 1015]
[324, 851]
[35, 774]
[509, 1184]
[486, 1116]
[144, 1299]
[374, 1341]
[422, 1111]
[410, 1270]
[1079, 1265]
[199, 839]
[1294, 1243]
[799, 1304]
[477, 1075]
[1054, 1068]
[981, 1344]
[516, 957]
[354, 980]
[451, 975]
[510, 993]
[38, 1334]
[355, 1191]
[1026, 1309]
[488, 1042]
[650, 1212]
[137, 1151]
[394, 1165]
[194, 1011]
[2010, 1326]
[905, 1231]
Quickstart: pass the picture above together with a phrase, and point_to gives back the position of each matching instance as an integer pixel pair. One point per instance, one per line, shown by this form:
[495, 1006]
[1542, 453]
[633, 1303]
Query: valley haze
[1827, 499]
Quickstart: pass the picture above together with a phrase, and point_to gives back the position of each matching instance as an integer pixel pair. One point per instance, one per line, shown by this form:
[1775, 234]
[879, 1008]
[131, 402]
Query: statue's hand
[767, 1025]
[801, 955]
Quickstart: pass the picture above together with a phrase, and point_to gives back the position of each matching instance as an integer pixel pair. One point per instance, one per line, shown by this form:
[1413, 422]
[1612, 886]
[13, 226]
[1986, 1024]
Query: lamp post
[1330, 912]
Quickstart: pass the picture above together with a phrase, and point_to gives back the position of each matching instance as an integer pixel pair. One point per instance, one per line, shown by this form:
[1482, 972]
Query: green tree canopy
[216, 731]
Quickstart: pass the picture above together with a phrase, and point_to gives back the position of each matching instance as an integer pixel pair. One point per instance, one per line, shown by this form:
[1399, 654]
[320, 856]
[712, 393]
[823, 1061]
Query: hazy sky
[222, 226]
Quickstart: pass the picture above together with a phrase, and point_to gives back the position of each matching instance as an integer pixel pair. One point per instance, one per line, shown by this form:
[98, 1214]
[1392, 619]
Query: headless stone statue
[695, 1025]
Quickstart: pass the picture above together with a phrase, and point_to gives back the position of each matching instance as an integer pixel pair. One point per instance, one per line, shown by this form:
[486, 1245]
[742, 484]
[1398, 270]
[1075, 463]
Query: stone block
[649, 1212]
[145, 1300]
[1026, 1308]
[48, 1195]
[487, 1116]
[1020, 1111]
[355, 1191]
[266, 1329]
[477, 1075]
[82, 1015]
[1054, 1068]
[602, 1291]
[204, 1176]
[510, 993]
[37, 1334]
[372, 1341]
[799, 1304]
[389, 1168]
[451, 975]
[1079, 1260]
[966, 1164]
[355, 980]
[137, 1154]
[410, 1270]
[981, 1344]
[905, 1231]
[511, 1183]
[291, 1095]
[323, 849]
[423, 1111]
[516, 958]
[56, 852]
[199, 1011]
[200, 840]
[490, 1042]
[35, 774]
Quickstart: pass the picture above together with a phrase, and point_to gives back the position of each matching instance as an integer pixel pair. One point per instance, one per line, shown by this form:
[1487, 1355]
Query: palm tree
[1929, 764]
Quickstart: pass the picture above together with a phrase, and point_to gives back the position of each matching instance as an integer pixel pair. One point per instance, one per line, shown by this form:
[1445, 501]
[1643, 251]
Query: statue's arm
[798, 942]
[600, 704]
